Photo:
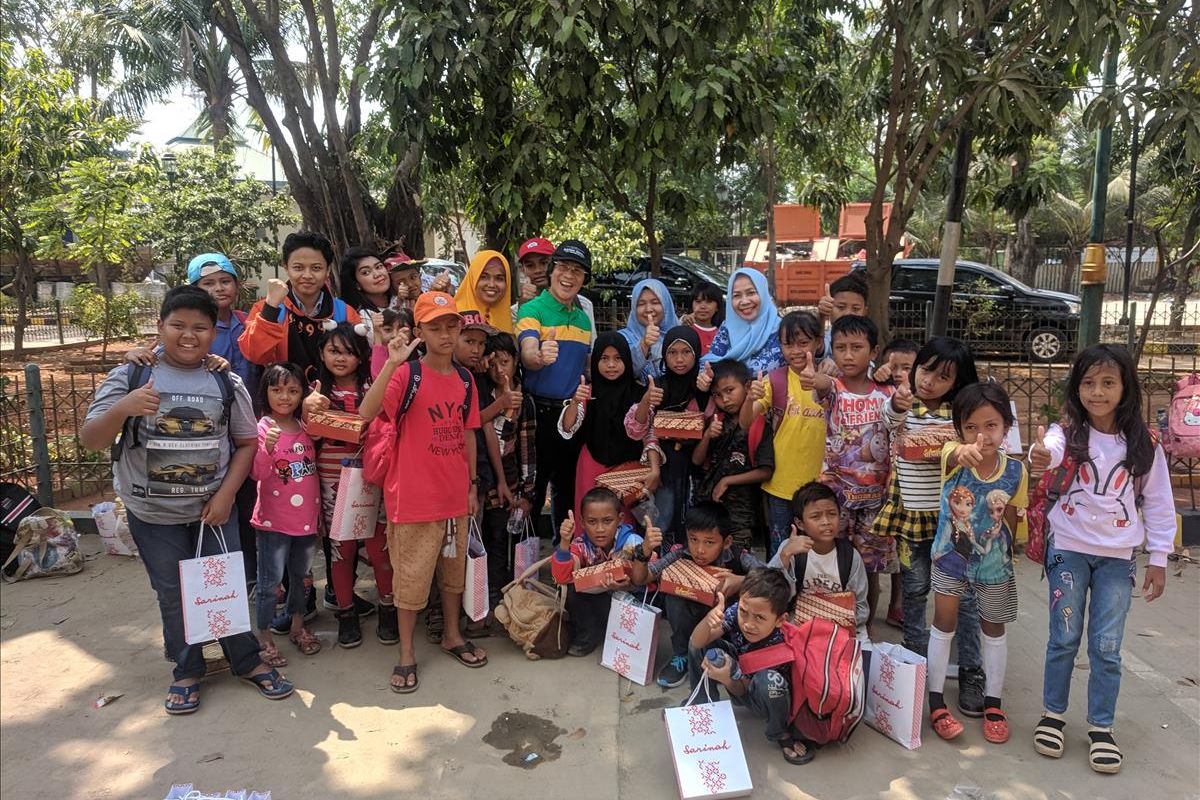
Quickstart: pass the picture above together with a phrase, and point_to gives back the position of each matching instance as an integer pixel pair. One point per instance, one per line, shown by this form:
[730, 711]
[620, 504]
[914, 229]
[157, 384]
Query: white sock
[938, 656]
[995, 658]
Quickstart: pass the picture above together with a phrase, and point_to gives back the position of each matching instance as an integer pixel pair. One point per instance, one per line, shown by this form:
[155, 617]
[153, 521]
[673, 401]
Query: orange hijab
[499, 314]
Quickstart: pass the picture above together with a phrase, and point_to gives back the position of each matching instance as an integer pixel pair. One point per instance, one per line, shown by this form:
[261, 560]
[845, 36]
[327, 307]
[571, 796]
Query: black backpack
[15, 505]
[137, 375]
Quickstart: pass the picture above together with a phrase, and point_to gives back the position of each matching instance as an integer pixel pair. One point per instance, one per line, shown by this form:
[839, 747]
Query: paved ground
[344, 735]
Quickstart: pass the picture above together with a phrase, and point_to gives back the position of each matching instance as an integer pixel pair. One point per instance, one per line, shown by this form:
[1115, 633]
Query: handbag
[896, 693]
[213, 591]
[475, 591]
[46, 546]
[535, 615]
[525, 552]
[706, 748]
[356, 510]
[631, 637]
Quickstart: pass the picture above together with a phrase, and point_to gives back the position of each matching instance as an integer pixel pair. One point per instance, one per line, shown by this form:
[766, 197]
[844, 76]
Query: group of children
[843, 464]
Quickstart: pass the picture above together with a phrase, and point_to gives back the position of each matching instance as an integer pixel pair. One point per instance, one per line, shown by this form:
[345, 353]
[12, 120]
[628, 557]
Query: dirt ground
[65, 642]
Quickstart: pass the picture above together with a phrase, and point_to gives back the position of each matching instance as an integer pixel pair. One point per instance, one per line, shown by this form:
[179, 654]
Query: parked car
[993, 312]
[679, 273]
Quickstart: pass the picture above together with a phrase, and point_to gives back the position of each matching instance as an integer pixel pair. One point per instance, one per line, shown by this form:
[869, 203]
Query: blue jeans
[779, 521]
[914, 582]
[278, 552]
[162, 547]
[1072, 576]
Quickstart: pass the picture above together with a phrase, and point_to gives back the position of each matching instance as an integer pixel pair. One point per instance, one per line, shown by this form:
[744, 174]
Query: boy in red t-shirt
[431, 489]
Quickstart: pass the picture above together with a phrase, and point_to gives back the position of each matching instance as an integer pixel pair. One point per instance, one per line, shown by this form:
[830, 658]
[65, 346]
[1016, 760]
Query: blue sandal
[182, 705]
[271, 684]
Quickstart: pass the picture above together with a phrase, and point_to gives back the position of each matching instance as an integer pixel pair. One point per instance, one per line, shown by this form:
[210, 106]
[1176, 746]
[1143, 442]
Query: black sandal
[797, 757]
[405, 671]
[1103, 754]
[1048, 737]
[457, 654]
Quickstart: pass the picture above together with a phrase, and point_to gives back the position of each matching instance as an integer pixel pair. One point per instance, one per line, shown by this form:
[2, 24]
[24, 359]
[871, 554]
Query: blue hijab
[746, 339]
[633, 331]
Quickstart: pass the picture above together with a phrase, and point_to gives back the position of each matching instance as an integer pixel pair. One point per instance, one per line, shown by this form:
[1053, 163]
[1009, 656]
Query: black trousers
[557, 459]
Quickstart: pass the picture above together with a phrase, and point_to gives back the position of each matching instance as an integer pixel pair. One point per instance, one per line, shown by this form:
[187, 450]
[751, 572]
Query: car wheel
[1046, 345]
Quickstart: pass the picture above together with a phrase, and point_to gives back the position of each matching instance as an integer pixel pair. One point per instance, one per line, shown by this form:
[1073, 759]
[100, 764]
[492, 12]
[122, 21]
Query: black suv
[679, 273]
[993, 312]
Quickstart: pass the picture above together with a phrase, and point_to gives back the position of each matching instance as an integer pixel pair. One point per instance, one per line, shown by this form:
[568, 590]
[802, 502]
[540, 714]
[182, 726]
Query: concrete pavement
[345, 735]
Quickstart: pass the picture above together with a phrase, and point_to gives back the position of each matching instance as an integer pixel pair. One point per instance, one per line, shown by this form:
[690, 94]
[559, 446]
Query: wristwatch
[640, 555]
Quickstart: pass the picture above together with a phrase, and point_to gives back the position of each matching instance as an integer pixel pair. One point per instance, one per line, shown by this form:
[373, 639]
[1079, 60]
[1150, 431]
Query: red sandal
[995, 730]
[944, 724]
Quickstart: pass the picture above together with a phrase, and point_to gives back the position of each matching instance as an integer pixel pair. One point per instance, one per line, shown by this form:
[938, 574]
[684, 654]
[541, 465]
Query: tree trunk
[648, 225]
[1070, 267]
[772, 258]
[1021, 259]
[23, 288]
[1184, 273]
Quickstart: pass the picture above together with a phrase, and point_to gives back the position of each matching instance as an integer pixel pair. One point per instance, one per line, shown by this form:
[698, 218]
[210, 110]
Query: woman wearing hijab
[750, 332]
[652, 314]
[599, 411]
[486, 289]
[679, 369]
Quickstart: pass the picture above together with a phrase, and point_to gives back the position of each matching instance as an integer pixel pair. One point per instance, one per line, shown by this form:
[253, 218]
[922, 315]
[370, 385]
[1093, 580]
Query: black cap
[573, 250]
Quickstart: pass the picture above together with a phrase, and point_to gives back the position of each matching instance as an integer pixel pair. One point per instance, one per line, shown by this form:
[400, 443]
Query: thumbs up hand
[142, 401]
[1039, 454]
[653, 395]
[549, 348]
[566, 531]
[715, 426]
[513, 397]
[704, 379]
[808, 375]
[825, 304]
[758, 388]
[315, 400]
[441, 283]
[272, 437]
[652, 335]
[902, 400]
[277, 290]
[584, 392]
[796, 544]
[715, 619]
[970, 455]
[653, 538]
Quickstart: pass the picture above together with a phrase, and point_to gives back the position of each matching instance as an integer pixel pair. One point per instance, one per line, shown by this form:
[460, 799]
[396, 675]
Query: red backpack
[828, 685]
[379, 448]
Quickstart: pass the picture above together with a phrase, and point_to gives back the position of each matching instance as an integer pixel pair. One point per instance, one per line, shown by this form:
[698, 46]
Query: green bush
[103, 316]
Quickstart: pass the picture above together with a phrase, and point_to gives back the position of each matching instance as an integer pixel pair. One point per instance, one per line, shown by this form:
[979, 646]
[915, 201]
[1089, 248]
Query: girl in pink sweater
[286, 515]
[1117, 499]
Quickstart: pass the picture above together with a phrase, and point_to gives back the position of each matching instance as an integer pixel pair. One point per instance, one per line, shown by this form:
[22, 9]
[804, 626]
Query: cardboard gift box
[590, 580]
[336, 425]
[836, 607]
[926, 445]
[685, 578]
[626, 480]
[679, 424]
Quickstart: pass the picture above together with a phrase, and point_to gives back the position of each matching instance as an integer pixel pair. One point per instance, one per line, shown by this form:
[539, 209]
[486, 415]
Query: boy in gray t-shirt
[194, 448]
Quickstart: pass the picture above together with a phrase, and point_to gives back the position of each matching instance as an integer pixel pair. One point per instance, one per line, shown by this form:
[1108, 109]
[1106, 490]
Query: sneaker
[673, 673]
[580, 649]
[330, 599]
[362, 607]
[971, 685]
[349, 631]
[281, 623]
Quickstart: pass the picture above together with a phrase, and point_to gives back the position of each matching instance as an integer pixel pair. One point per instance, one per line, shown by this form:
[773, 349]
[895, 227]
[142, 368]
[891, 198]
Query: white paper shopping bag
[526, 551]
[707, 749]
[896, 693]
[213, 590]
[356, 511]
[631, 638]
[475, 594]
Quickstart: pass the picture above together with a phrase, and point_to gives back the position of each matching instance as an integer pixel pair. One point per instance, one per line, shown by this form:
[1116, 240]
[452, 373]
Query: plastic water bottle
[717, 659]
[516, 522]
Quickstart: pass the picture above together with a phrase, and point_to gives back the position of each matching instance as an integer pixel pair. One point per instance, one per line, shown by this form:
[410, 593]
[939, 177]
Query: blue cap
[209, 264]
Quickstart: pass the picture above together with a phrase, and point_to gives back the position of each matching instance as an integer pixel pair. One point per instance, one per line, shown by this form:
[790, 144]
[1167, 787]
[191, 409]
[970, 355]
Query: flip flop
[270, 684]
[457, 654]
[405, 671]
[797, 758]
[183, 705]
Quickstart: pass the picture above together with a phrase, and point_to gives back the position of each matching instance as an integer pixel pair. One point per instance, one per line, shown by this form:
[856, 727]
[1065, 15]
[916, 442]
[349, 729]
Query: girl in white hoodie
[1118, 498]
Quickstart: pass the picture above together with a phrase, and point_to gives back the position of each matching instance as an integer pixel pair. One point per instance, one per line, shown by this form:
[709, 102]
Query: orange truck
[806, 262]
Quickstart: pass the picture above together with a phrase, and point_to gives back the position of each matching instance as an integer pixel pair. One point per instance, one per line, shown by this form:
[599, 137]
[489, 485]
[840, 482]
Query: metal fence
[54, 324]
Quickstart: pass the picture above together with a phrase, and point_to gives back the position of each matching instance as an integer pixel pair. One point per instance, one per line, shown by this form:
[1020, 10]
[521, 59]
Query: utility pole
[1129, 212]
[1094, 271]
[951, 232]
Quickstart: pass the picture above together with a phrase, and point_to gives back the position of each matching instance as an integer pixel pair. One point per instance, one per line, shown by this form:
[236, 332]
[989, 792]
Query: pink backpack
[1183, 420]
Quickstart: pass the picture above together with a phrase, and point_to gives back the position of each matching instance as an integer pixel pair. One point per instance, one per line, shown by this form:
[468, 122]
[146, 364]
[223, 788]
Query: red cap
[397, 261]
[537, 244]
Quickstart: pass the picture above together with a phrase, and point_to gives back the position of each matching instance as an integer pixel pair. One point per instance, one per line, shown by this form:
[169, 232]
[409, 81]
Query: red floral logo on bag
[887, 672]
[711, 776]
[700, 720]
[213, 572]
[218, 623]
[620, 664]
[883, 722]
[629, 619]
